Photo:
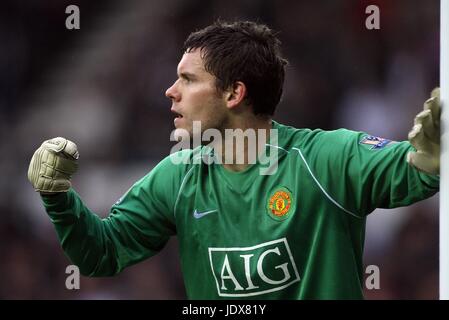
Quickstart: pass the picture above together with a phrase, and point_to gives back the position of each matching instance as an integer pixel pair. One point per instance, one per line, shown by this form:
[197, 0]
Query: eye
[186, 78]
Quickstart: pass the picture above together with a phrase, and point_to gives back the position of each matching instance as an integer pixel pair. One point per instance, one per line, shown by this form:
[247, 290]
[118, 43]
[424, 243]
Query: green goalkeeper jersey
[295, 234]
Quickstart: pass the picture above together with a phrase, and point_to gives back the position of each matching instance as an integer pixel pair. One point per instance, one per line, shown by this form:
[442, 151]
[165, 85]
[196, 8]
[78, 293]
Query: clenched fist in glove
[425, 136]
[53, 165]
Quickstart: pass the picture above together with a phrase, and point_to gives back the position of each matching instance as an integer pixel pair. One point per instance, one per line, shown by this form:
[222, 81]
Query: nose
[172, 93]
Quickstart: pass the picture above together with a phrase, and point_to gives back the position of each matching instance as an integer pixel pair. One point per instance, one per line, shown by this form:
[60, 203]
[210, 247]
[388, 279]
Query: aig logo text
[250, 271]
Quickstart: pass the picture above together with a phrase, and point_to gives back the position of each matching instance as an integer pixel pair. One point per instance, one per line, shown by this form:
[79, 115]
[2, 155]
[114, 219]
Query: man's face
[194, 96]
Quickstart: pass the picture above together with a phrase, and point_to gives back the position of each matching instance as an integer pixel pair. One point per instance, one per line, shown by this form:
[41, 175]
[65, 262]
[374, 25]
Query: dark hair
[243, 51]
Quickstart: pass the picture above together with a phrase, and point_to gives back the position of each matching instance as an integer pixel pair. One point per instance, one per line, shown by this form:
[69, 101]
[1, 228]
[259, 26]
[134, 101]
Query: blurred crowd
[103, 87]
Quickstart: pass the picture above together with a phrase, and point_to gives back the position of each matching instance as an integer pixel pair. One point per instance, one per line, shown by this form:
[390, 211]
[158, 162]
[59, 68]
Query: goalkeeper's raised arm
[136, 228]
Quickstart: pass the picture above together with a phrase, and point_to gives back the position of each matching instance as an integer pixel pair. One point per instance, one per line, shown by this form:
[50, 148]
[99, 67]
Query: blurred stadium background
[106, 82]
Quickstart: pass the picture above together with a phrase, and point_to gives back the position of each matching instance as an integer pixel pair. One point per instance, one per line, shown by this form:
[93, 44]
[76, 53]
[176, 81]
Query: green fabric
[297, 234]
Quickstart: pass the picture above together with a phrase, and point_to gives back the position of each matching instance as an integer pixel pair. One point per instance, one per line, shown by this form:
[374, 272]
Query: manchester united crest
[280, 203]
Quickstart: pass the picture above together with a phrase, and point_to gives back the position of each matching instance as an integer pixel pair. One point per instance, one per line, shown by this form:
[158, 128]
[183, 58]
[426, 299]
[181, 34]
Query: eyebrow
[187, 75]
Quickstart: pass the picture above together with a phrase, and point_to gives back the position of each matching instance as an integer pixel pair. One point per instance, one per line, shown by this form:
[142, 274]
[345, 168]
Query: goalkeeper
[295, 234]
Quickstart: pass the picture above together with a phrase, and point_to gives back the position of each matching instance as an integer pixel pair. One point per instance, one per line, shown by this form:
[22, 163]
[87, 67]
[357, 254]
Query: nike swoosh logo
[198, 215]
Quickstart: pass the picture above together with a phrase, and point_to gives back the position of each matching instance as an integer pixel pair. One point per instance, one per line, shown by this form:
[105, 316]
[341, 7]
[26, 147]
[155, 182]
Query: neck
[244, 142]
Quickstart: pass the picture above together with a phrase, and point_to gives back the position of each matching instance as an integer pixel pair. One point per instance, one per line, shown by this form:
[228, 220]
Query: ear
[235, 94]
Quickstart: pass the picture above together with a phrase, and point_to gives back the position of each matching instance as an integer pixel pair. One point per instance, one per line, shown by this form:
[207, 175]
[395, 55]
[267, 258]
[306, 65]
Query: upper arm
[364, 172]
[142, 221]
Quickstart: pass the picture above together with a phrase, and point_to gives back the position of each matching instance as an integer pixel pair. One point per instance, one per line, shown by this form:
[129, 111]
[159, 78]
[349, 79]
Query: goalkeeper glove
[52, 166]
[425, 136]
